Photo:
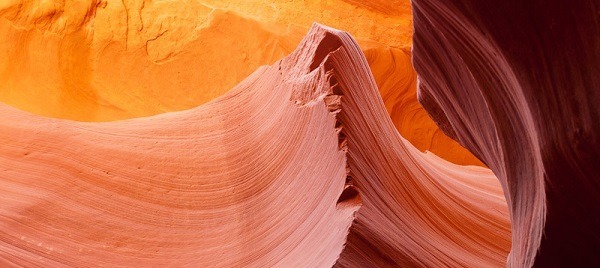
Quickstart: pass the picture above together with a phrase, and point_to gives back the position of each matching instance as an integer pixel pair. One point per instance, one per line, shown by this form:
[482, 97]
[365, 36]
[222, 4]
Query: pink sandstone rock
[270, 174]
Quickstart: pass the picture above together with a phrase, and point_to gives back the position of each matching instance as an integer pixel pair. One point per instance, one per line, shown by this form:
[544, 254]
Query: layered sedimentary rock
[517, 83]
[418, 210]
[111, 60]
[269, 174]
[250, 179]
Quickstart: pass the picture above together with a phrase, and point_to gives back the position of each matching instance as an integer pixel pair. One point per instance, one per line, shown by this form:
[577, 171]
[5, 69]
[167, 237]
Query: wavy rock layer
[517, 83]
[266, 175]
[110, 60]
[418, 210]
[211, 186]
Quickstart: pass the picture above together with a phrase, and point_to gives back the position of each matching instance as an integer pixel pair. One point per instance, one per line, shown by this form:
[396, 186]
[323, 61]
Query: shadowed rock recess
[517, 83]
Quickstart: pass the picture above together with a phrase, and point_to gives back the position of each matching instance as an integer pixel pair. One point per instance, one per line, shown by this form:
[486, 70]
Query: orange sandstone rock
[110, 60]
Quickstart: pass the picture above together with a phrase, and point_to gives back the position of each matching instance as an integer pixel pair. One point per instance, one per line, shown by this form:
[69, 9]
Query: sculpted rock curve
[517, 83]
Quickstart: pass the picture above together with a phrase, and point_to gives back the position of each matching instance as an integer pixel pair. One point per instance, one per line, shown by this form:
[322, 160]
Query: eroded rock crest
[266, 175]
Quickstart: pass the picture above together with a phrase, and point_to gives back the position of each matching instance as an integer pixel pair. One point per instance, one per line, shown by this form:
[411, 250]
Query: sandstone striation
[219, 134]
[269, 174]
[517, 83]
[210, 186]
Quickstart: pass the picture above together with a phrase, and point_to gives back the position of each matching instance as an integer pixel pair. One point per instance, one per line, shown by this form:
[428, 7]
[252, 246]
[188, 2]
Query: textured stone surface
[218, 133]
[517, 83]
[210, 186]
[269, 174]
[110, 60]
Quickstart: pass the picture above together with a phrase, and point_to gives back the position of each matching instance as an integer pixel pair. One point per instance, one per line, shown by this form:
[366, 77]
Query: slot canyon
[338, 133]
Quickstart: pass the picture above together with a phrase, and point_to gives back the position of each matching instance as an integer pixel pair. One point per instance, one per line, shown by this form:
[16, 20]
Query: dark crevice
[350, 193]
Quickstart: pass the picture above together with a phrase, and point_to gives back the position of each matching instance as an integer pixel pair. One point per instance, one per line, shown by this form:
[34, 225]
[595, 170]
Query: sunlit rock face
[111, 60]
[517, 83]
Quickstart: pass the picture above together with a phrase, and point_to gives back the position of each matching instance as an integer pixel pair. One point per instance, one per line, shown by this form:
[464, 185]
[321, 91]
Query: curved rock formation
[111, 60]
[266, 175]
[517, 83]
[396, 80]
[210, 186]
[418, 210]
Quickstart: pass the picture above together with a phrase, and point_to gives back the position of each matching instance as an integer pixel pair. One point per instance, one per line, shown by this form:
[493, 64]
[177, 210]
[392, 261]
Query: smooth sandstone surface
[111, 60]
[517, 82]
[270, 174]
